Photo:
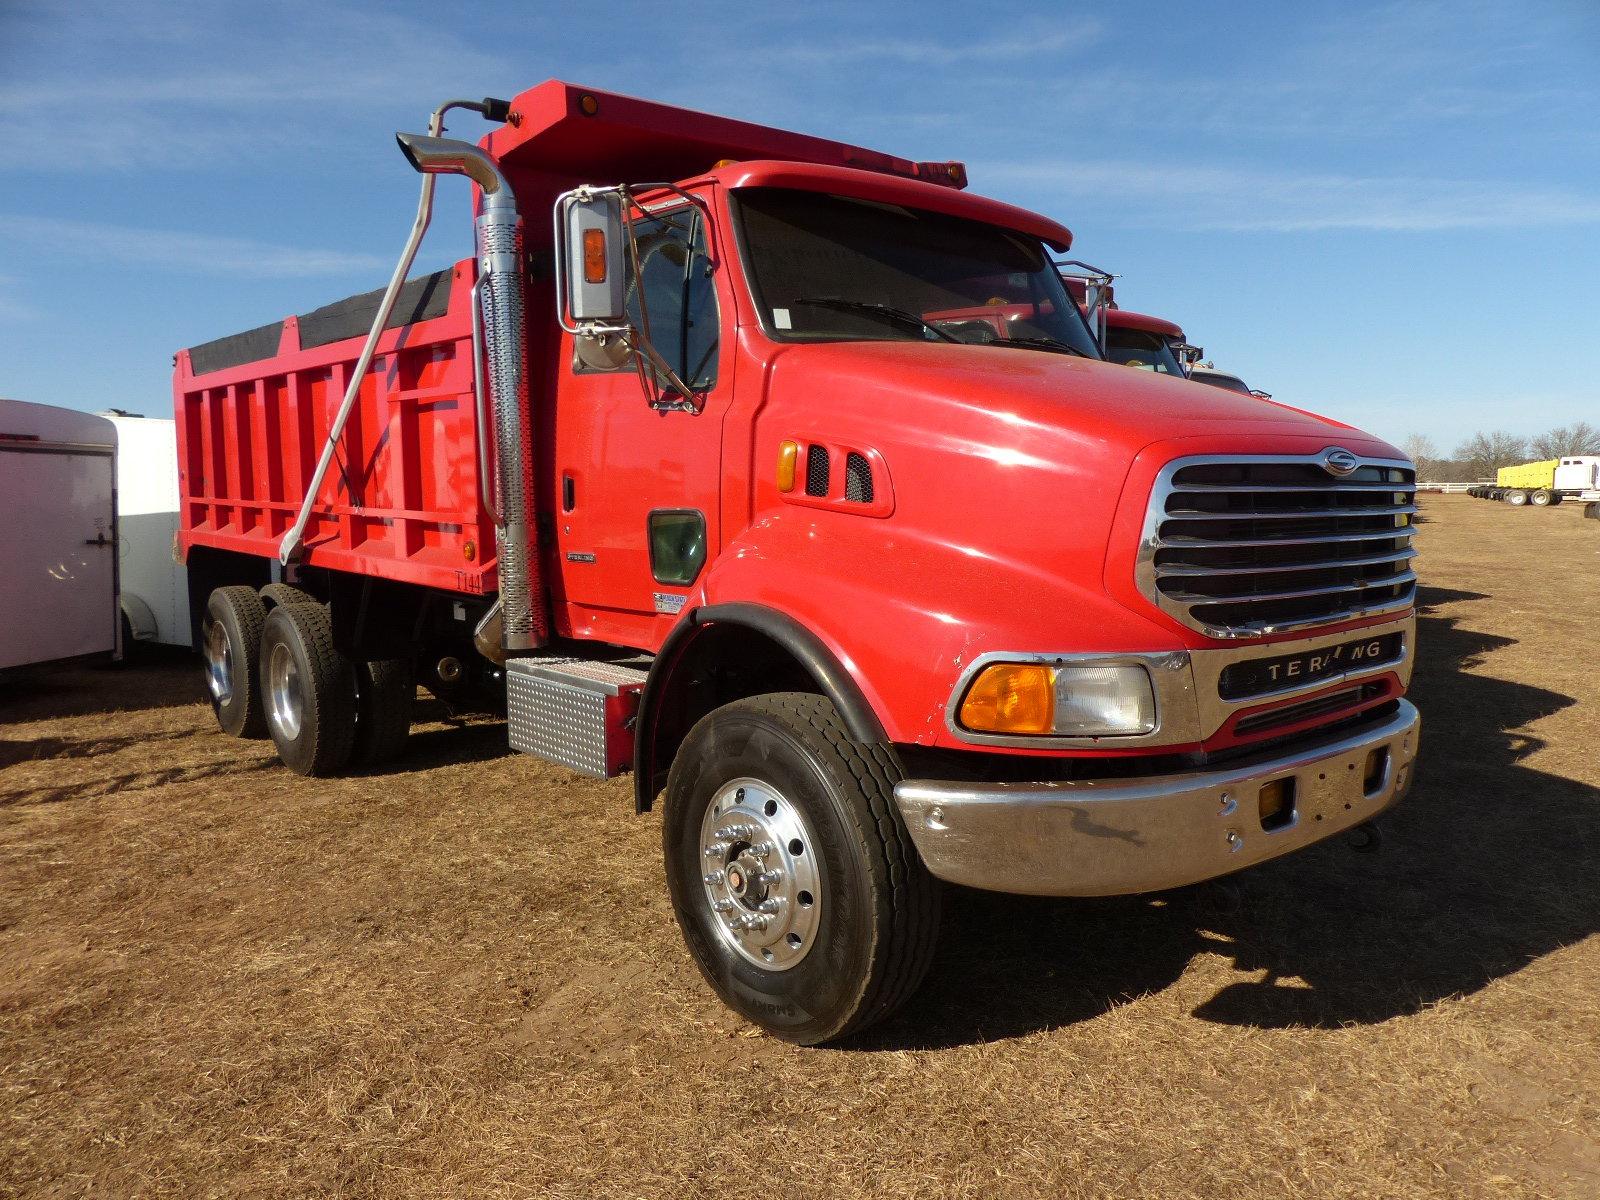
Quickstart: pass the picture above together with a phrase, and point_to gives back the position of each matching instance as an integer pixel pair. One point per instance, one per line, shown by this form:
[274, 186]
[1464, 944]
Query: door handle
[98, 540]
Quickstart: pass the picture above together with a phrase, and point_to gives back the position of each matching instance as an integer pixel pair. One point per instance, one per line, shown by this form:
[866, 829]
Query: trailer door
[58, 587]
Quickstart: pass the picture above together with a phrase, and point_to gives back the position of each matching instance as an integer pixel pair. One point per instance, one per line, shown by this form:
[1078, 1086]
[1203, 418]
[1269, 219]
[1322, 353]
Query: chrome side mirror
[590, 257]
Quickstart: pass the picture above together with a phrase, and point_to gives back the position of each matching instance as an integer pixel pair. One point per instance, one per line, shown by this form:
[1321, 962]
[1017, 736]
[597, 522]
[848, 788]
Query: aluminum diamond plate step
[575, 711]
[607, 676]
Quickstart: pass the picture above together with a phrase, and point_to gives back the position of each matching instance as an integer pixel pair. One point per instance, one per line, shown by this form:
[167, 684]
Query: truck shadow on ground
[1485, 867]
[153, 677]
[463, 739]
[129, 782]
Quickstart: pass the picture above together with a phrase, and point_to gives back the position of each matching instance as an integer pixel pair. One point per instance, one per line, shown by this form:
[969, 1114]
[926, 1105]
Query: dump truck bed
[403, 500]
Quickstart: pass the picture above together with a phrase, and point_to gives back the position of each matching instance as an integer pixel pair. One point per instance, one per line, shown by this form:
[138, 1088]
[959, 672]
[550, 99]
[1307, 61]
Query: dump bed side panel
[402, 500]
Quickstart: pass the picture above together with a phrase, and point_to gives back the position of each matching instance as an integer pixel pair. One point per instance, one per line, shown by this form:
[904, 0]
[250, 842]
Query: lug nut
[761, 849]
[714, 851]
[768, 906]
[716, 876]
[723, 906]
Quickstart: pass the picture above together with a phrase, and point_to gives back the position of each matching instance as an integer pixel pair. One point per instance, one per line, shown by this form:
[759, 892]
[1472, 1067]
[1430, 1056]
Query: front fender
[903, 613]
[813, 656]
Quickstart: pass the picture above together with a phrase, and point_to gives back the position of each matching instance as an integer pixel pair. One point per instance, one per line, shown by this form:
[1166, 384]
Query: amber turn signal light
[788, 456]
[1011, 698]
[594, 255]
[1276, 804]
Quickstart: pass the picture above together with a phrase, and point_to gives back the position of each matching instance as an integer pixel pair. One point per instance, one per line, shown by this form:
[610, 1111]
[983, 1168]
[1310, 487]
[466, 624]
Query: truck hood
[1107, 402]
[1011, 488]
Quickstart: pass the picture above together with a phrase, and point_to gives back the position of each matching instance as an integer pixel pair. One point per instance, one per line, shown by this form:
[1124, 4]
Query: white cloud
[1018, 42]
[174, 251]
[1361, 74]
[11, 308]
[1217, 198]
[88, 90]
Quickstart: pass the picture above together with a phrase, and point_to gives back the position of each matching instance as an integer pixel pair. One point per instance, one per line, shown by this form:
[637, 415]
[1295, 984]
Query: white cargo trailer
[58, 535]
[155, 586]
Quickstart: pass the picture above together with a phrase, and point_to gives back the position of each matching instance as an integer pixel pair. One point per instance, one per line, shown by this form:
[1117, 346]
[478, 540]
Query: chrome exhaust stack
[500, 288]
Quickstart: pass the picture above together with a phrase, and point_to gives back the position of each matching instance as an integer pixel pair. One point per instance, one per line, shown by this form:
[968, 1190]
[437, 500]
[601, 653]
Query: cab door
[638, 467]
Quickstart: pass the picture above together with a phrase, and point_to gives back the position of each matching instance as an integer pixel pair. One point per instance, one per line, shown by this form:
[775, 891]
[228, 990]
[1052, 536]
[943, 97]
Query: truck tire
[1555, 498]
[774, 814]
[1516, 497]
[308, 690]
[275, 594]
[230, 646]
[1542, 498]
[386, 690]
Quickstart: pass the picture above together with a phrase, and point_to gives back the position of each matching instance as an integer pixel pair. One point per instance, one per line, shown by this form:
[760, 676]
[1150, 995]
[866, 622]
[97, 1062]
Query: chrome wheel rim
[761, 880]
[219, 663]
[285, 703]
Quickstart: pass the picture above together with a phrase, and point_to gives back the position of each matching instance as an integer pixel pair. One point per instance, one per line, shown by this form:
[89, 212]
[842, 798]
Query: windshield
[1142, 349]
[833, 268]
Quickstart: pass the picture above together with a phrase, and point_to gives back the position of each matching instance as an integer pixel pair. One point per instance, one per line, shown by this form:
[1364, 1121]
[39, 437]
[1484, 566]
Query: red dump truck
[685, 468]
[1133, 339]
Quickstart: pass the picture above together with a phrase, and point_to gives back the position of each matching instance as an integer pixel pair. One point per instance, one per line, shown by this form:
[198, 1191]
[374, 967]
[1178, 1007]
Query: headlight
[1042, 699]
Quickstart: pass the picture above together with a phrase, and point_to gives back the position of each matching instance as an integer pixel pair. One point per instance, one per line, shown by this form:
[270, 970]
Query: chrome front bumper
[1123, 836]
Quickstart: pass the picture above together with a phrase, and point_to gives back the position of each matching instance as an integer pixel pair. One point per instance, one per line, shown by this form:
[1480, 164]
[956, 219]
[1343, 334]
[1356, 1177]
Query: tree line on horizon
[1481, 455]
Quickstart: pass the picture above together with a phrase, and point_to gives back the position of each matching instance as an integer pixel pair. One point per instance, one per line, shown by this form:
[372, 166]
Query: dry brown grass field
[460, 977]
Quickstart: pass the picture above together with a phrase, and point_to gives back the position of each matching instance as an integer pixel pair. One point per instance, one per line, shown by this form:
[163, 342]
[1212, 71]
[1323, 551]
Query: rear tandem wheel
[230, 646]
[309, 690]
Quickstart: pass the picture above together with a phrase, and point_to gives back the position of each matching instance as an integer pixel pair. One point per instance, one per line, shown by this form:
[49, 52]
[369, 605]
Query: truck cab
[1146, 343]
[789, 475]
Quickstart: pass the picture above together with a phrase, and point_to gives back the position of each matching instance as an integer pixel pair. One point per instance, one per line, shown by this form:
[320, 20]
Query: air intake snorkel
[500, 297]
[498, 305]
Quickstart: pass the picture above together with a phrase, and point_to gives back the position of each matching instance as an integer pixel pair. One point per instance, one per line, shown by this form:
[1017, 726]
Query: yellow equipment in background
[1528, 475]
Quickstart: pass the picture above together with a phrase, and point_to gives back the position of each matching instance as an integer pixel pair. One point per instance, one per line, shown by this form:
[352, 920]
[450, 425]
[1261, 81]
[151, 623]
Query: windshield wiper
[898, 316]
[1044, 343]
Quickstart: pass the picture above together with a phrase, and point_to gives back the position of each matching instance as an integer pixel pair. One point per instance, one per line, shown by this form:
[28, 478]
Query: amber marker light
[788, 456]
[1011, 698]
[1276, 804]
[594, 255]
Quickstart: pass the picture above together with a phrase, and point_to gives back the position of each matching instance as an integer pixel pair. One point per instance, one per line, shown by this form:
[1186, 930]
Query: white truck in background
[58, 536]
[154, 585]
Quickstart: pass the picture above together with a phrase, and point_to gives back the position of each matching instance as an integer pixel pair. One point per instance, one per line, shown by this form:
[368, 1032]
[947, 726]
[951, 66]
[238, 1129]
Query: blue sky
[1389, 213]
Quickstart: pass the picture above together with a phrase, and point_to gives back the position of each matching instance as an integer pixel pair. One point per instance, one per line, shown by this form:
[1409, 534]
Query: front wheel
[798, 890]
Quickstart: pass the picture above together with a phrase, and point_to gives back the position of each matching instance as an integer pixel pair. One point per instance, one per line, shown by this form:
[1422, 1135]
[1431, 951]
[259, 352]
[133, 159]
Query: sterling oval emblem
[1338, 461]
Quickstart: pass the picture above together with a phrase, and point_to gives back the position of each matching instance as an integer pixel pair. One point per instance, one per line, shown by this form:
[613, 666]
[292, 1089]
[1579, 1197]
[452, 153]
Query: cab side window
[672, 297]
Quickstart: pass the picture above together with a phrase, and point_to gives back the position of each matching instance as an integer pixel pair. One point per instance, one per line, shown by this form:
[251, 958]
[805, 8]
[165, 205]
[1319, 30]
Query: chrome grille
[1248, 546]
